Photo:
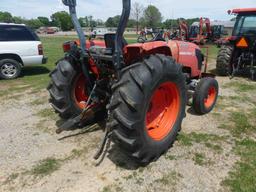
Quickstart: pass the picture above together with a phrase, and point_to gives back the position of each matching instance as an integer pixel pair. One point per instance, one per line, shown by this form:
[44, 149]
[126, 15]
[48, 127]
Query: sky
[102, 9]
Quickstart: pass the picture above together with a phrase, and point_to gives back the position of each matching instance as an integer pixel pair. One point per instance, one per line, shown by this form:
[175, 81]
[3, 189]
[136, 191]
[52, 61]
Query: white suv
[19, 47]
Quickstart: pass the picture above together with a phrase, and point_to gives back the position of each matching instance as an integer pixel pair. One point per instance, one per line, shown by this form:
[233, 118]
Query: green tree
[34, 23]
[152, 16]
[6, 17]
[44, 20]
[88, 21]
[63, 20]
[170, 23]
[109, 22]
[113, 21]
[132, 23]
[19, 20]
[82, 21]
[92, 22]
[99, 22]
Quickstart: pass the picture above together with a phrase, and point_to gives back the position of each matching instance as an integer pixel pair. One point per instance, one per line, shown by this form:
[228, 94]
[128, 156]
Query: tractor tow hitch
[86, 114]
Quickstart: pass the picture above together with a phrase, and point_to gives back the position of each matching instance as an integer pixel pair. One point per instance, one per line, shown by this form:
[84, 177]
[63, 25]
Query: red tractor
[239, 51]
[141, 89]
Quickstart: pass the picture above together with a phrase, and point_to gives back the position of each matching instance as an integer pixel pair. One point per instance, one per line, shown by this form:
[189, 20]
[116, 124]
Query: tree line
[140, 18]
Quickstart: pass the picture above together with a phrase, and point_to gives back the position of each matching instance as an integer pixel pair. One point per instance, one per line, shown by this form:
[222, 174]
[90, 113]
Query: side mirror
[229, 12]
[69, 3]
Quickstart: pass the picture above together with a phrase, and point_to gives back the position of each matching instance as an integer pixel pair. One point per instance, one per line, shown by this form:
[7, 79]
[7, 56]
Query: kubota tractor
[239, 51]
[141, 89]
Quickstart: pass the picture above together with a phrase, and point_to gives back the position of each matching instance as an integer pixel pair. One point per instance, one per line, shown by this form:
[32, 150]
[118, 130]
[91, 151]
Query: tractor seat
[110, 45]
[110, 41]
[100, 50]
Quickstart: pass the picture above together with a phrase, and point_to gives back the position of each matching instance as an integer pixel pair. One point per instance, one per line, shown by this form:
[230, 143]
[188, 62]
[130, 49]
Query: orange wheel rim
[163, 110]
[79, 92]
[211, 96]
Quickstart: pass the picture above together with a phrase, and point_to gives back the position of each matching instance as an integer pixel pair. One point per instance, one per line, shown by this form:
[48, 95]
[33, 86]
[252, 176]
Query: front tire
[147, 107]
[9, 69]
[206, 95]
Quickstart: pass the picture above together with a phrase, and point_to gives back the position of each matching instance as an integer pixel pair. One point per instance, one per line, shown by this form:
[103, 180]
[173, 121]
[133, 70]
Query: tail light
[242, 43]
[67, 46]
[40, 49]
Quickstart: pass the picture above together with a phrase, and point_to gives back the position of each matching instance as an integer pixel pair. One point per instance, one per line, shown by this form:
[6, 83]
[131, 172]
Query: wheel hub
[210, 98]
[79, 91]
[163, 111]
[8, 70]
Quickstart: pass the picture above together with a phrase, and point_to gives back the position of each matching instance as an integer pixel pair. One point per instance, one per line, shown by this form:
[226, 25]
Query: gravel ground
[28, 138]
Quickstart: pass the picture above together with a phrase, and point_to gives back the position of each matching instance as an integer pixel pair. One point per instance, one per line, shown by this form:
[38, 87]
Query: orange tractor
[140, 90]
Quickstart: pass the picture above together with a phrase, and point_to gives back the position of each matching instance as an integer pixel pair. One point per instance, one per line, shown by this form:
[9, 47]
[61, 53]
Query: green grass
[241, 87]
[212, 51]
[37, 102]
[76, 153]
[107, 189]
[46, 167]
[11, 178]
[199, 159]
[242, 123]
[214, 147]
[112, 188]
[47, 113]
[189, 139]
[243, 177]
[169, 179]
[131, 36]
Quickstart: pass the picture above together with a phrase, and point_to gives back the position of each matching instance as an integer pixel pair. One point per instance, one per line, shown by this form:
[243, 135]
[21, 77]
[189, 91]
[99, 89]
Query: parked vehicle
[19, 47]
[239, 51]
[141, 89]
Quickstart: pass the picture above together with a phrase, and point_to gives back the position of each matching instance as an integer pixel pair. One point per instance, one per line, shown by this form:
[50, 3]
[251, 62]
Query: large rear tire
[147, 107]
[223, 66]
[67, 90]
